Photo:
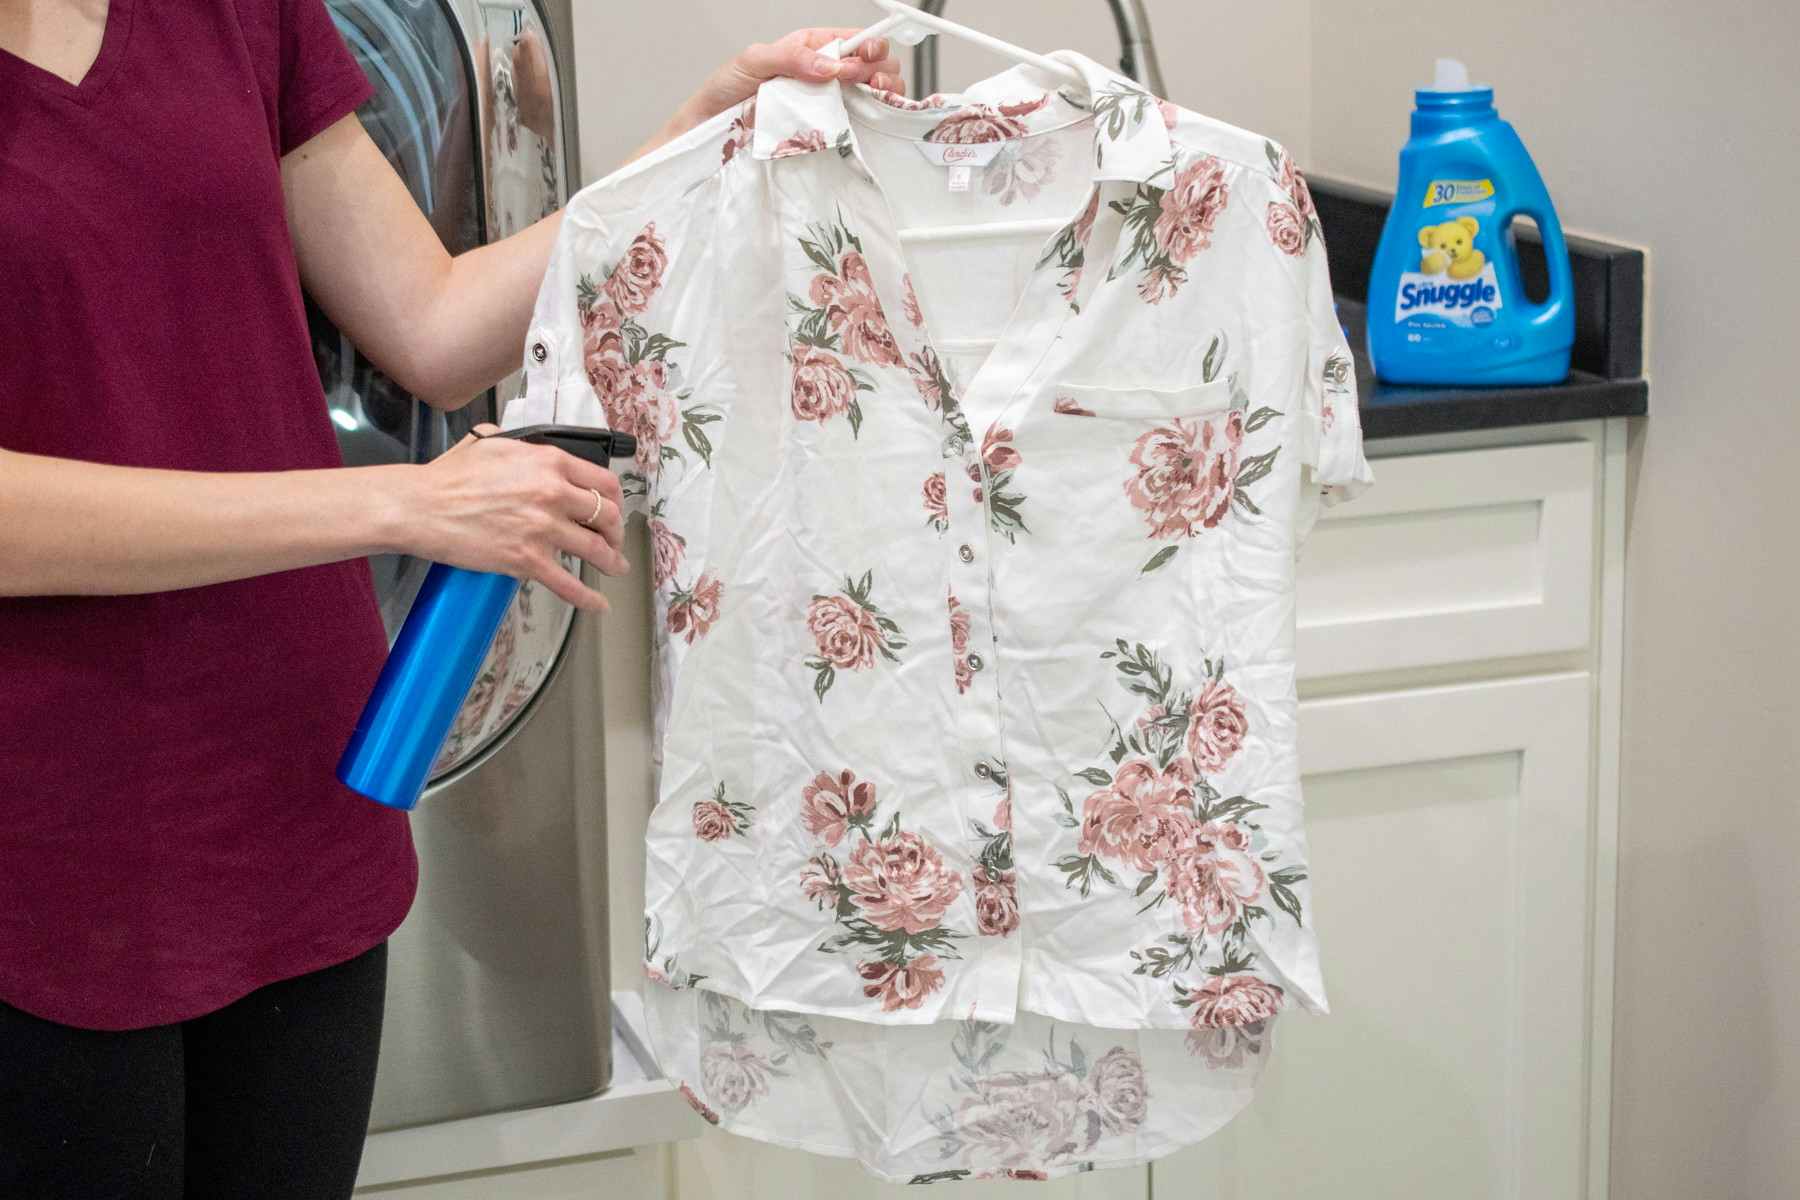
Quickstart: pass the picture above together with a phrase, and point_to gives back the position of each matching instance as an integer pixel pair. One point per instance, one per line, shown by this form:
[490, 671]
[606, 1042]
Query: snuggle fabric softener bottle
[1446, 305]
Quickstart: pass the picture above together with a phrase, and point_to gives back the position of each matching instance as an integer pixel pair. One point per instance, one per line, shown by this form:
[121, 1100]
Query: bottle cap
[1452, 75]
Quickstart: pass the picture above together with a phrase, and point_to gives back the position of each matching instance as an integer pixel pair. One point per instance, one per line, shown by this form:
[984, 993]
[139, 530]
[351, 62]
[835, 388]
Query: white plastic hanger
[908, 26]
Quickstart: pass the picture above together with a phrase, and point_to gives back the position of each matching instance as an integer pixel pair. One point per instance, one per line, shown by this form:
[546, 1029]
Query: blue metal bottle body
[422, 687]
[1446, 303]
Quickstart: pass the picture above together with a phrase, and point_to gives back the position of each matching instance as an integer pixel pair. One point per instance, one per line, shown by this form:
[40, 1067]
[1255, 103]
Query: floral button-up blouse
[977, 436]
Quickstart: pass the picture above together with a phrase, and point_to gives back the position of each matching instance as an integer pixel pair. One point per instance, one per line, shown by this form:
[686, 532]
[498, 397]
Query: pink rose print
[1017, 1118]
[666, 550]
[1051, 1116]
[996, 902]
[1285, 229]
[1233, 1000]
[914, 313]
[1003, 811]
[1185, 474]
[718, 818]
[603, 354]
[639, 274]
[845, 632]
[1292, 182]
[692, 612]
[1216, 726]
[901, 883]
[1212, 875]
[849, 631]
[905, 103]
[1170, 114]
[901, 986]
[1142, 818]
[698, 1105]
[1190, 209]
[820, 881]
[649, 413]
[986, 123]
[800, 143]
[1164, 229]
[937, 502]
[853, 312]
[734, 1075]
[1293, 225]
[959, 645]
[823, 387]
[1226, 1047]
[831, 805]
[712, 821]
[1198, 849]
[1067, 406]
[997, 450]
[743, 127]
[1117, 1081]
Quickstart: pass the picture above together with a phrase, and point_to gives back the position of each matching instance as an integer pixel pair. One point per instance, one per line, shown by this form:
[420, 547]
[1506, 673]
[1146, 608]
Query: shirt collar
[1131, 137]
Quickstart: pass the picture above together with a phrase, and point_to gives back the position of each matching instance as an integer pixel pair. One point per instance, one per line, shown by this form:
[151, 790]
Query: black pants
[266, 1098]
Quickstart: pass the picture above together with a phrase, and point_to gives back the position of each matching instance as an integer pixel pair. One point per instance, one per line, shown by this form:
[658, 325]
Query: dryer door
[466, 109]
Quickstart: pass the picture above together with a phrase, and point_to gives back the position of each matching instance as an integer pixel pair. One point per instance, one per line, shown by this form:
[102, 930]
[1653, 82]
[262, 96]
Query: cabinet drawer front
[1453, 557]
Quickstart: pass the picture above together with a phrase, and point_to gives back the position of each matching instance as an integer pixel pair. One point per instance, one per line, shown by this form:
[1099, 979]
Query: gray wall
[1666, 123]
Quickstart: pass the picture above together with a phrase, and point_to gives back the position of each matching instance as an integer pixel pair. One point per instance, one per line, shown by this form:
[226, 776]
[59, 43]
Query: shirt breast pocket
[1127, 403]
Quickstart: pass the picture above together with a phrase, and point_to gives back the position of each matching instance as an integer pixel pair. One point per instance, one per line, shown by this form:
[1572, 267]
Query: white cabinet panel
[1453, 557]
[1452, 853]
[722, 1167]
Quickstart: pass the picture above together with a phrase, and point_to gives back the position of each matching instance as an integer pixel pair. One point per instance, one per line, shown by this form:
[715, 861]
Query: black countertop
[1607, 376]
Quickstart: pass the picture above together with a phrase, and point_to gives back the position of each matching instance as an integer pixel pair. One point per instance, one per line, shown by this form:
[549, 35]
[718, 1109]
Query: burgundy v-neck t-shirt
[172, 835]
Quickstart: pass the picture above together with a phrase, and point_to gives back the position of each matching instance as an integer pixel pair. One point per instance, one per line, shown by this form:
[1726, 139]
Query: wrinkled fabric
[977, 436]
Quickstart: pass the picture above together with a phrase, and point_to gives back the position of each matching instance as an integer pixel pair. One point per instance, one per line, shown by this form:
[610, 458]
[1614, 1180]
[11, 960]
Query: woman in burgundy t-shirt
[193, 911]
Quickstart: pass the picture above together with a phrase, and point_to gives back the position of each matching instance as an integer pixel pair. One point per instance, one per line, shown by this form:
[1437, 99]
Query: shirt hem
[745, 1129]
[113, 1019]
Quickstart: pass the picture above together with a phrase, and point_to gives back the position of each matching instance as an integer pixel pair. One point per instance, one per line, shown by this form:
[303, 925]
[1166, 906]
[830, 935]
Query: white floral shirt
[977, 436]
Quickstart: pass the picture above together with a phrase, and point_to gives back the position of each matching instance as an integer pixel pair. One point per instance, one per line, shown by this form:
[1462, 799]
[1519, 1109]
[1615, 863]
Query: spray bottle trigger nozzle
[598, 446]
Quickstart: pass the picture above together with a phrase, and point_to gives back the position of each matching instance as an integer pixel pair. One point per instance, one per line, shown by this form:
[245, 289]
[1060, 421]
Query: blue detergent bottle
[1446, 305]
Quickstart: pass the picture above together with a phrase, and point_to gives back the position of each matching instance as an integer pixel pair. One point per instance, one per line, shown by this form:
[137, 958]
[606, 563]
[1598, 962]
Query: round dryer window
[447, 114]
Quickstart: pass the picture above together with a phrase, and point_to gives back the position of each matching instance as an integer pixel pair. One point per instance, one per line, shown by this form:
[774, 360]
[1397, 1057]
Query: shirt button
[966, 553]
[539, 352]
[975, 663]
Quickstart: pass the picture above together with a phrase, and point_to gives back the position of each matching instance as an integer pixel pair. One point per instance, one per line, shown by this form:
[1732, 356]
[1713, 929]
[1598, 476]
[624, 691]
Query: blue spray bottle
[1446, 305]
[440, 649]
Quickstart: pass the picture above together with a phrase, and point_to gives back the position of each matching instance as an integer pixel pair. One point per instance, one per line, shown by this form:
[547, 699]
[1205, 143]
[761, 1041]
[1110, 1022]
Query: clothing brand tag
[959, 179]
[960, 154]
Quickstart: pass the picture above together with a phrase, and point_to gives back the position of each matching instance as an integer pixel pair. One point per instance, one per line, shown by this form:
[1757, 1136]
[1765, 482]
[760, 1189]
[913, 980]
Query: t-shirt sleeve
[317, 82]
[1331, 443]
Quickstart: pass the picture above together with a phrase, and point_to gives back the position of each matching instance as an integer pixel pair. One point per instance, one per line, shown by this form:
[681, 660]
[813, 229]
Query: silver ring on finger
[598, 505]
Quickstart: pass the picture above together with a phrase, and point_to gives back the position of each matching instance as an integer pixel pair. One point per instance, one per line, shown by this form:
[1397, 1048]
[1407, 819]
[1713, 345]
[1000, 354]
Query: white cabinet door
[722, 1167]
[1452, 849]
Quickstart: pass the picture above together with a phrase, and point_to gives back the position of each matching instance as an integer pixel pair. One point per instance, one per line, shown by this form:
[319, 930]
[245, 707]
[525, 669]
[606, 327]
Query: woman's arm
[77, 528]
[449, 328]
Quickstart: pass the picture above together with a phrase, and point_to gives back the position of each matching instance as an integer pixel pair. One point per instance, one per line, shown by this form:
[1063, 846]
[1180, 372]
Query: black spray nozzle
[598, 446]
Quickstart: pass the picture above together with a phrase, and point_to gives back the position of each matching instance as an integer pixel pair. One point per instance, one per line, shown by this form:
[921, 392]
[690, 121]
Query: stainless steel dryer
[498, 989]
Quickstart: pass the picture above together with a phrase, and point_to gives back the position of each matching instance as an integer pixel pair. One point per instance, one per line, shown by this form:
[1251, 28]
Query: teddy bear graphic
[1450, 248]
